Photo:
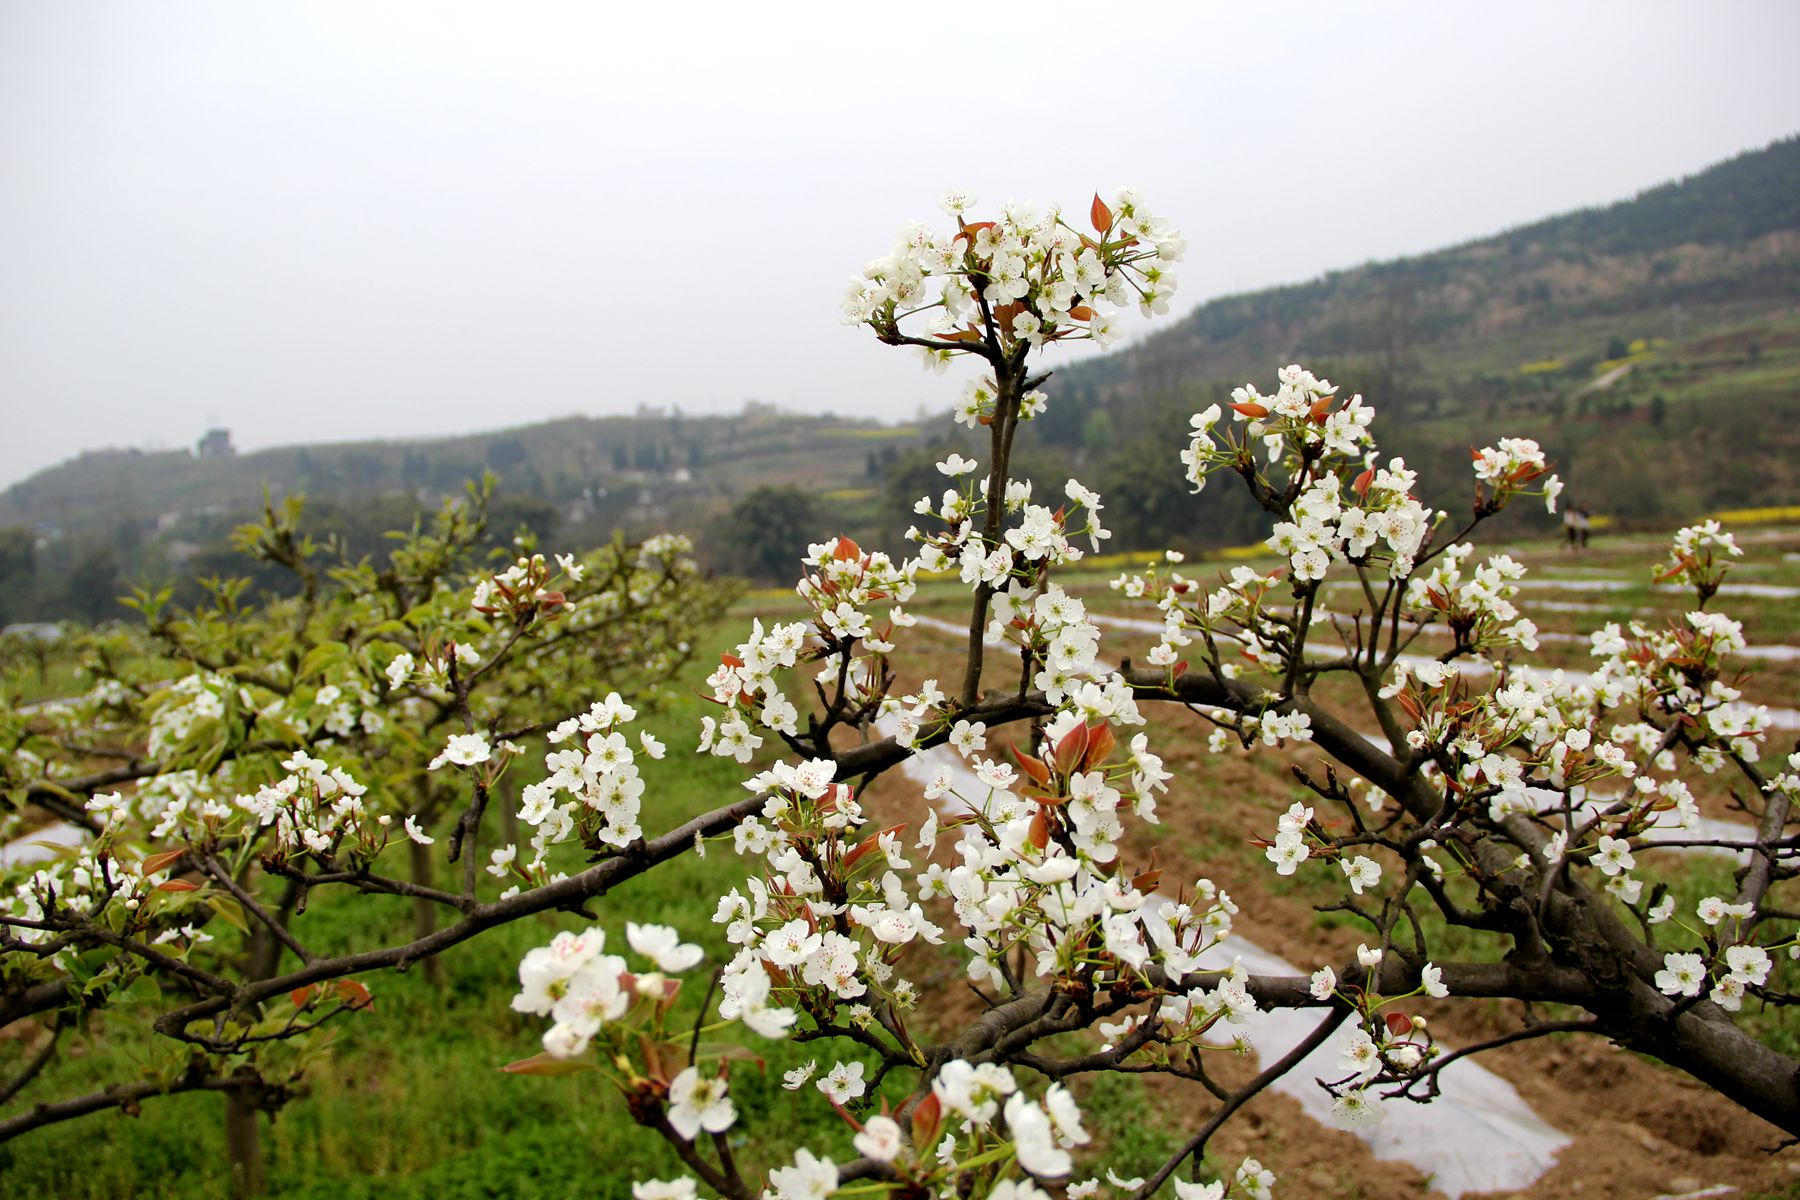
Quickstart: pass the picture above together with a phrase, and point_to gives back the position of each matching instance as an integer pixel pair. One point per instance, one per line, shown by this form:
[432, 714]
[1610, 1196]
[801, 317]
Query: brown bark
[424, 922]
[243, 1144]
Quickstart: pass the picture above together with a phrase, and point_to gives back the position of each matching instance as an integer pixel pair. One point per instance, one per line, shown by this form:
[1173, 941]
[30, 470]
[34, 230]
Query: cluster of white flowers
[1034, 275]
[1041, 537]
[1302, 418]
[188, 704]
[592, 785]
[1732, 965]
[1512, 467]
[1674, 670]
[584, 990]
[82, 884]
[527, 589]
[1695, 555]
[314, 807]
[843, 587]
[1475, 604]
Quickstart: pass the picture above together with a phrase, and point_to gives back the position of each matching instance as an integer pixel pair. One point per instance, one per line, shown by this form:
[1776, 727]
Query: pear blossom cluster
[1675, 671]
[1035, 277]
[592, 787]
[315, 807]
[1385, 1047]
[1042, 537]
[1475, 603]
[1698, 557]
[846, 589]
[1730, 962]
[584, 991]
[1516, 466]
[524, 591]
[85, 884]
[1303, 421]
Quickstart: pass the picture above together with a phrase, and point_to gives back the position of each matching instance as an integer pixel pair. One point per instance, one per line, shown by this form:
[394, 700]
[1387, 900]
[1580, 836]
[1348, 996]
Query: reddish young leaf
[868, 846]
[1398, 1023]
[1081, 312]
[301, 995]
[1320, 408]
[1040, 830]
[927, 1123]
[543, 1064]
[653, 1064]
[177, 885]
[846, 550]
[1070, 750]
[1100, 215]
[162, 861]
[1100, 744]
[1251, 409]
[354, 994]
[1675, 569]
[1361, 486]
[1032, 765]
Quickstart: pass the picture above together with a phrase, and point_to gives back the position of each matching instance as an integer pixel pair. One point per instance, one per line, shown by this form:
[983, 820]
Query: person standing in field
[1571, 517]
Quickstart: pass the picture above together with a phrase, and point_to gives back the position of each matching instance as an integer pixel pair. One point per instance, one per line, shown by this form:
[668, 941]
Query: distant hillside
[1718, 243]
[86, 528]
[641, 468]
[1652, 345]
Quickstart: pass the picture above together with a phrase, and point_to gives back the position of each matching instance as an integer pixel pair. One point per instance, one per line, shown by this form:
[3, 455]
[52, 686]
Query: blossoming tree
[1512, 810]
[228, 764]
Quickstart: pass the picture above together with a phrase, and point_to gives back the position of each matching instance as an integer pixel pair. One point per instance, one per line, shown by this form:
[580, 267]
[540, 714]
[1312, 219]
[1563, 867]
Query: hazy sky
[314, 221]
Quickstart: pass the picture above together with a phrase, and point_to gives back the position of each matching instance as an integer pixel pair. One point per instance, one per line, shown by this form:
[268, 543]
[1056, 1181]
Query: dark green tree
[767, 533]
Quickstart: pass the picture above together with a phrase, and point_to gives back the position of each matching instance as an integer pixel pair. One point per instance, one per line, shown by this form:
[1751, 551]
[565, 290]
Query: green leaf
[230, 910]
[320, 658]
[544, 1064]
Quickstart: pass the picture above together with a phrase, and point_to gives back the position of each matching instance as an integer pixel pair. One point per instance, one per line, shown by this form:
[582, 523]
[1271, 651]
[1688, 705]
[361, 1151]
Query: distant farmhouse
[216, 444]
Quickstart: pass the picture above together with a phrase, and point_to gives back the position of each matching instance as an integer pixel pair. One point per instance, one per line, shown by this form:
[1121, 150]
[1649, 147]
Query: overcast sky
[313, 221]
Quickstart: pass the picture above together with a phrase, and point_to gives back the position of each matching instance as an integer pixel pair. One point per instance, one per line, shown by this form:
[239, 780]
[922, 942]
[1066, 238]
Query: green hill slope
[1652, 345]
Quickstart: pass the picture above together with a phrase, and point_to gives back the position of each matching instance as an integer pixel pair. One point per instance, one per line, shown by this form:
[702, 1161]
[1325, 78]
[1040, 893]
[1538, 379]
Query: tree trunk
[425, 911]
[243, 1145]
